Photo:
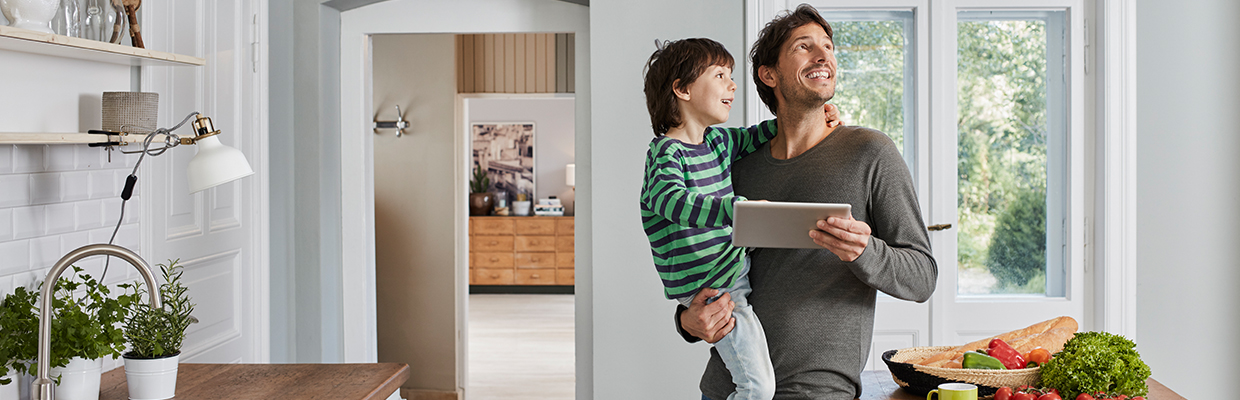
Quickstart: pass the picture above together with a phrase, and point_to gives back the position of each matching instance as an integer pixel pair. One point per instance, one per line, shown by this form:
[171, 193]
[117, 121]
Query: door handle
[938, 227]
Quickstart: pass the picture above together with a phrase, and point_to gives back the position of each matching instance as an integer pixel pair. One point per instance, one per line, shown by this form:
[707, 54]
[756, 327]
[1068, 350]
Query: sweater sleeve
[745, 141]
[664, 192]
[897, 260]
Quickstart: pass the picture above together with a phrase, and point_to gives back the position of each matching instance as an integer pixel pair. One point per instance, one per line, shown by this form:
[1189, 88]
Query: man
[817, 306]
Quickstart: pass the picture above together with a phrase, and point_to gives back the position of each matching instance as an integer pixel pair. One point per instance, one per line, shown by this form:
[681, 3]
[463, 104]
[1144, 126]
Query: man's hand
[846, 238]
[833, 115]
[710, 322]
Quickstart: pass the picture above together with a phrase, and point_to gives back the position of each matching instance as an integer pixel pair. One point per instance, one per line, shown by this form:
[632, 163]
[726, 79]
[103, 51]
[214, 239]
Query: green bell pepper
[975, 360]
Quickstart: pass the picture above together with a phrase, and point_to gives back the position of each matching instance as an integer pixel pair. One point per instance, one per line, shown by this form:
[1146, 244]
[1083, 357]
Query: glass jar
[68, 21]
[99, 18]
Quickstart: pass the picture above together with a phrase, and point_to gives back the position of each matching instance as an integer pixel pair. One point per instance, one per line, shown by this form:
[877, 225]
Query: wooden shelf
[28, 41]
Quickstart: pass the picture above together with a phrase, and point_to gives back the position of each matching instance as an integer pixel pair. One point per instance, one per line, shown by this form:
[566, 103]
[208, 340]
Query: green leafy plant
[155, 333]
[480, 181]
[1097, 362]
[82, 326]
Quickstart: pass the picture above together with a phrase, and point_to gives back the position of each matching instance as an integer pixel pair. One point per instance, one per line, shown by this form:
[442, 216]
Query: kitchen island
[274, 381]
[878, 385]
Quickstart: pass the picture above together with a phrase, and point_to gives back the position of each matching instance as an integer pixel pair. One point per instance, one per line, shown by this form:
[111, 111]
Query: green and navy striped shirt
[686, 206]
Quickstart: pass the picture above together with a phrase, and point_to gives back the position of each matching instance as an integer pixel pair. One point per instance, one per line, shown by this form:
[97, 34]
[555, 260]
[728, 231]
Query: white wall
[554, 128]
[56, 198]
[1188, 181]
[637, 353]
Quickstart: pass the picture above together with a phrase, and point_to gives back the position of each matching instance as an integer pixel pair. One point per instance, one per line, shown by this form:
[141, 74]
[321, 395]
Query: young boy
[687, 197]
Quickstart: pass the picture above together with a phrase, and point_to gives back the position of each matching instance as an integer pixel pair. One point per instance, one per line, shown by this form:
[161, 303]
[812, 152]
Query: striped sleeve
[744, 141]
[666, 194]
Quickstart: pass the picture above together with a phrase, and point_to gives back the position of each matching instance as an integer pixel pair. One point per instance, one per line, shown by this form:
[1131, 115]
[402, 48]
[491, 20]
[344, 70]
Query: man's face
[804, 76]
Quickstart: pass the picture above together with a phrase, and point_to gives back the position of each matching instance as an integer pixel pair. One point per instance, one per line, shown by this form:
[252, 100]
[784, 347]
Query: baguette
[1065, 323]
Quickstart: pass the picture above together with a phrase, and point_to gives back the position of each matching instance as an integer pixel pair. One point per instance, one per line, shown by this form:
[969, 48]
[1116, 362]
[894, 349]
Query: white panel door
[218, 234]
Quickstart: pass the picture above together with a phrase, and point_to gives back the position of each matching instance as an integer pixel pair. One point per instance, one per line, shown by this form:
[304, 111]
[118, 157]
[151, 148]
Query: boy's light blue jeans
[744, 350]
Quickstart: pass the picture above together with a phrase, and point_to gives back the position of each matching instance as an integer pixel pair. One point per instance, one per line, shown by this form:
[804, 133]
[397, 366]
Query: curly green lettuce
[1097, 361]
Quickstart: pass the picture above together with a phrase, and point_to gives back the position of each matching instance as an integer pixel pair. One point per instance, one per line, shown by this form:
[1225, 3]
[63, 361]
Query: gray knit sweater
[818, 311]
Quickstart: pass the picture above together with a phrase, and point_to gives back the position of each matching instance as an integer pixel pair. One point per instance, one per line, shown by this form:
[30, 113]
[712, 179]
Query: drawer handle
[494, 243]
[494, 276]
[535, 276]
[494, 259]
[535, 259]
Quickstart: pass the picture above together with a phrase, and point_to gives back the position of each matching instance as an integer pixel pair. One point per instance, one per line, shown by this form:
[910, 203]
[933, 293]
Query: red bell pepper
[1006, 354]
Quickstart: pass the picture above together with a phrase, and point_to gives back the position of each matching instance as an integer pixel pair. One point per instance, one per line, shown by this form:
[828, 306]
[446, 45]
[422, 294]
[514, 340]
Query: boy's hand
[833, 115]
[710, 322]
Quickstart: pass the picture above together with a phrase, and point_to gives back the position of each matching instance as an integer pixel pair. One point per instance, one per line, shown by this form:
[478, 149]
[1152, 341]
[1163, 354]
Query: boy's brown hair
[675, 65]
[771, 41]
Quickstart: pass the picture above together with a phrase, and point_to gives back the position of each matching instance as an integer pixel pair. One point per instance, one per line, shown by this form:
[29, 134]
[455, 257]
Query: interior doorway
[422, 244]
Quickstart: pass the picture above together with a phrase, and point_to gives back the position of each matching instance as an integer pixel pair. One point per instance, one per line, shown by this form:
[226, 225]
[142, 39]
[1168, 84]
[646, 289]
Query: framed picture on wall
[506, 151]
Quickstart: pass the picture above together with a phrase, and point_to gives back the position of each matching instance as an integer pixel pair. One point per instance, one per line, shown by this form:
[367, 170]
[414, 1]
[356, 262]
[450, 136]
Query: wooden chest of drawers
[521, 250]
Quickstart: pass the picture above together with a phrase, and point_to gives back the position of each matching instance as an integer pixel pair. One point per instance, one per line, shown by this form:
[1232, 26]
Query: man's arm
[893, 255]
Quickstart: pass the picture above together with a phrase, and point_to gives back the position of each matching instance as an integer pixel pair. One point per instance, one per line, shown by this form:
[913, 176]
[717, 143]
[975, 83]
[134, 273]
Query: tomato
[1084, 396]
[1138, 398]
[1122, 397]
[1023, 396]
[1004, 393]
[1053, 390]
[1050, 396]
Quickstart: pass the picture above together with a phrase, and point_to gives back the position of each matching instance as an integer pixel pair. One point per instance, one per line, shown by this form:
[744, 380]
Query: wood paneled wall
[515, 63]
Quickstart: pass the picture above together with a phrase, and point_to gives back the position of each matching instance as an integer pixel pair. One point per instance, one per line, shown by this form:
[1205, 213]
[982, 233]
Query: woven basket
[133, 112]
[920, 379]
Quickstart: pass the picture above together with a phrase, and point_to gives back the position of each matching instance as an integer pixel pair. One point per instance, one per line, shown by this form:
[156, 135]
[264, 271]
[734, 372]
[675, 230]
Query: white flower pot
[79, 380]
[151, 379]
[35, 15]
[11, 391]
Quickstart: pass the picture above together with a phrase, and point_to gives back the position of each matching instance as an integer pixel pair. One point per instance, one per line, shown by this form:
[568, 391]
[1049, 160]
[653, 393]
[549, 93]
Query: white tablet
[781, 224]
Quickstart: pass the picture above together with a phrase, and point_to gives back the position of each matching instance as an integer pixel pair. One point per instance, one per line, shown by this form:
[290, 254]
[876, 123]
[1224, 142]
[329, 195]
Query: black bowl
[920, 383]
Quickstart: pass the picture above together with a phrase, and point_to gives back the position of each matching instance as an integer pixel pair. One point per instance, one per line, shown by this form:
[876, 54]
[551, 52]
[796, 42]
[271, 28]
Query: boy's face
[709, 98]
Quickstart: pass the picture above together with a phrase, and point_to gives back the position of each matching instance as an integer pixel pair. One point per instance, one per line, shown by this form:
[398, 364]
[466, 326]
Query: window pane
[872, 51]
[1009, 153]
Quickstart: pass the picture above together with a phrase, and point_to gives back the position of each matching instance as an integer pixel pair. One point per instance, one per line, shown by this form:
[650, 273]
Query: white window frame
[1109, 224]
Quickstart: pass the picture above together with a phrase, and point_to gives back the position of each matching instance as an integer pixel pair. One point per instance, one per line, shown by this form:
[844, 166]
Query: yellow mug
[954, 391]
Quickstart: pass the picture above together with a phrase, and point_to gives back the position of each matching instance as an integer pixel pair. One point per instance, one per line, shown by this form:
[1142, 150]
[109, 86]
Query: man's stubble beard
[799, 97]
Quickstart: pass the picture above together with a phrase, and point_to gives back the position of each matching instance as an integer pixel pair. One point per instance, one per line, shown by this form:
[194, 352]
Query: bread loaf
[1027, 334]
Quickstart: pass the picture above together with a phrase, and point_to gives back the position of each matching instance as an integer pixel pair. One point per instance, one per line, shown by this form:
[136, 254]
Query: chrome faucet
[43, 387]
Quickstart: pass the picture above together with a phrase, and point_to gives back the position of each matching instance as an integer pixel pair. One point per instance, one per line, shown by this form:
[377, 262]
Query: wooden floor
[520, 347]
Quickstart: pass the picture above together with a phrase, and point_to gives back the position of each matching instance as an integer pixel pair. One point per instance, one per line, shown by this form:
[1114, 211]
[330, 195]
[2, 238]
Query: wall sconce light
[214, 165]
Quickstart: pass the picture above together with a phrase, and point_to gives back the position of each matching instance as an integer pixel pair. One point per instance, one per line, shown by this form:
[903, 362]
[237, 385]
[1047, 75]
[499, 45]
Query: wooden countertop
[274, 381]
[878, 385]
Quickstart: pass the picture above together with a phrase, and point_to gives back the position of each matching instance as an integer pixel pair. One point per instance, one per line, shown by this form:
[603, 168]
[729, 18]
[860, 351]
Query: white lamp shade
[216, 164]
[570, 176]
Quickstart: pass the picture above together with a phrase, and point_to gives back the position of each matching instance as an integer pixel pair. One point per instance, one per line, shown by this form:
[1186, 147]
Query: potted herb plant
[84, 330]
[155, 336]
[480, 201]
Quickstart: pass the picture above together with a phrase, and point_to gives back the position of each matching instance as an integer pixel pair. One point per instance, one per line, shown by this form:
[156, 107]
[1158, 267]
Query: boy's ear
[681, 93]
[767, 75]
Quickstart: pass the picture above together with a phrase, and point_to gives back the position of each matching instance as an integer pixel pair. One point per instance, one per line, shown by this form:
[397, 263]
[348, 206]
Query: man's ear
[767, 75]
[681, 93]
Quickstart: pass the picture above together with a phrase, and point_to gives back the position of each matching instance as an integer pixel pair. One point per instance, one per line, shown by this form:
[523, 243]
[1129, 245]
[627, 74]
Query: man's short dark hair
[771, 41]
[678, 63]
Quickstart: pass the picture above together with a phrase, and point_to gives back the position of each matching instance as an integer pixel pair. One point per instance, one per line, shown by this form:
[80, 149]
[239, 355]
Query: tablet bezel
[786, 225]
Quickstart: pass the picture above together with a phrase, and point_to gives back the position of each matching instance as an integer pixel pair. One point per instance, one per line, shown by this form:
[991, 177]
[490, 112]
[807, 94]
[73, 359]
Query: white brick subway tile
[90, 157]
[59, 218]
[44, 251]
[103, 184]
[14, 190]
[45, 188]
[131, 209]
[112, 211]
[28, 222]
[6, 158]
[6, 285]
[28, 158]
[14, 257]
[30, 279]
[75, 186]
[73, 240]
[60, 157]
[101, 235]
[89, 214]
[6, 224]
[128, 237]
